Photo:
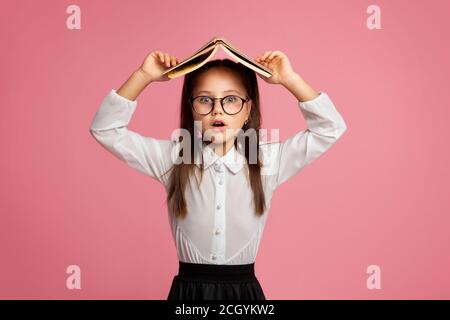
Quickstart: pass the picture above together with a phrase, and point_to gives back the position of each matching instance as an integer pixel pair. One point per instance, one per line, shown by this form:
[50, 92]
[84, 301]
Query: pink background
[379, 196]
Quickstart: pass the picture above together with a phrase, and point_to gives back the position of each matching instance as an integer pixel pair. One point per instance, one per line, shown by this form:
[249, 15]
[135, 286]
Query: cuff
[118, 98]
[114, 111]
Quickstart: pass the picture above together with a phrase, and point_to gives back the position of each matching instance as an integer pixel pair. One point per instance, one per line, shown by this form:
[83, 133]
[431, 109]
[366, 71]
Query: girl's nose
[217, 106]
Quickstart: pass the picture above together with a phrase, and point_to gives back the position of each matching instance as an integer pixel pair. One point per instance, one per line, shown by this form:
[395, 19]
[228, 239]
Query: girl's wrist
[134, 85]
[299, 87]
[287, 80]
[144, 76]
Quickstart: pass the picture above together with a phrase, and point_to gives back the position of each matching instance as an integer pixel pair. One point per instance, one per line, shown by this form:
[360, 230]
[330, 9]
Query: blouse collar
[233, 159]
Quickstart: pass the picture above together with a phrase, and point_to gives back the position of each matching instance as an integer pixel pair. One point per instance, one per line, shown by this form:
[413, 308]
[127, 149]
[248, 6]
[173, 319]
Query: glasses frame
[191, 100]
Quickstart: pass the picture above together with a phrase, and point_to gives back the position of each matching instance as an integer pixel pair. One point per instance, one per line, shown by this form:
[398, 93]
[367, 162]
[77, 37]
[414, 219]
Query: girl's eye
[231, 99]
[205, 100]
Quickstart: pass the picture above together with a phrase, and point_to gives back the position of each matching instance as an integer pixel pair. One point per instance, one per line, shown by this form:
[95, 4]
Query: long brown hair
[180, 173]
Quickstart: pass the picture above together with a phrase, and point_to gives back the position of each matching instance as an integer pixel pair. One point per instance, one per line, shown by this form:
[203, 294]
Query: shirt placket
[218, 238]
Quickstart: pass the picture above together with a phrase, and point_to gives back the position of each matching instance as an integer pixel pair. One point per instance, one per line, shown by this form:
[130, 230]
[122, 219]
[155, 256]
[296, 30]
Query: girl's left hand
[278, 63]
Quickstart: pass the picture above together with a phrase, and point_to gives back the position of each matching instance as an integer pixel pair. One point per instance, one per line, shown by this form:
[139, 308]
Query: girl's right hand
[155, 63]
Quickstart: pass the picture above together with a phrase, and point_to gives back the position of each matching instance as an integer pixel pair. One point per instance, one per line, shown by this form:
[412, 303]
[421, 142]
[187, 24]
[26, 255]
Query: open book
[206, 52]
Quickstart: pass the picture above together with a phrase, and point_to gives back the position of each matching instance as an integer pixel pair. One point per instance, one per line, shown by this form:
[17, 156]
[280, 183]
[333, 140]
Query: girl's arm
[299, 88]
[325, 123]
[109, 127]
[137, 82]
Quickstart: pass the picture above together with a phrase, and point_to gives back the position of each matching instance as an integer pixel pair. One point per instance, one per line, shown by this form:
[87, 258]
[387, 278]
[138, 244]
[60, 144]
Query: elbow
[92, 130]
[94, 134]
[340, 128]
[106, 138]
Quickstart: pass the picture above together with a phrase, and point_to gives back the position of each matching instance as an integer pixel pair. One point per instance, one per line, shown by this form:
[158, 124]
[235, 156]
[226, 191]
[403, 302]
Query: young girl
[219, 179]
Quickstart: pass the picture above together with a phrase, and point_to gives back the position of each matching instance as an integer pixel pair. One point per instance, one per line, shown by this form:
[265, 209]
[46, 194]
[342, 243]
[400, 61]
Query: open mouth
[218, 123]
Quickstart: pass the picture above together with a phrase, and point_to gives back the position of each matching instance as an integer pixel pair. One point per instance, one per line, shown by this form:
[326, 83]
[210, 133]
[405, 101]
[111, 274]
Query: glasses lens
[232, 104]
[202, 105]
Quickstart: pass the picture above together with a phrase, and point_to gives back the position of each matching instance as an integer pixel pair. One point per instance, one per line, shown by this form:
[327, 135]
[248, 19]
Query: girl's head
[199, 110]
[208, 89]
[220, 79]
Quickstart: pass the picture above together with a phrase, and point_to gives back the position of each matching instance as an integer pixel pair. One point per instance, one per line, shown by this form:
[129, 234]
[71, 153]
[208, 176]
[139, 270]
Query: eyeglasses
[230, 104]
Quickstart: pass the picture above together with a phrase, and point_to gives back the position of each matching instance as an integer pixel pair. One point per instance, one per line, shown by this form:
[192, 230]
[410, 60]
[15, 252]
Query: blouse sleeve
[325, 126]
[109, 128]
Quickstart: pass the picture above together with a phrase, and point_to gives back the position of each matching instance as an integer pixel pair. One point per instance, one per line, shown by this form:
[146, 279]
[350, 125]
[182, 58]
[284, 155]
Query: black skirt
[196, 281]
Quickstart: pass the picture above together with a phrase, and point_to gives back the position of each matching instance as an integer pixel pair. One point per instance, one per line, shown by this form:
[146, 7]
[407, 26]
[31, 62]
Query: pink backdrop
[378, 197]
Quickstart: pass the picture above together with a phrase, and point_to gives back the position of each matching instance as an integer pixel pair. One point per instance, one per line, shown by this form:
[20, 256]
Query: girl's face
[218, 83]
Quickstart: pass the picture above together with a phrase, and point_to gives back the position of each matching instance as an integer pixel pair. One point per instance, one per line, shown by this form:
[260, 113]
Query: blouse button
[218, 207]
[217, 231]
[218, 167]
[214, 257]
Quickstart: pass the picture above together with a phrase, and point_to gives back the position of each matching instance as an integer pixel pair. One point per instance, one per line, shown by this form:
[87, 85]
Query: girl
[220, 179]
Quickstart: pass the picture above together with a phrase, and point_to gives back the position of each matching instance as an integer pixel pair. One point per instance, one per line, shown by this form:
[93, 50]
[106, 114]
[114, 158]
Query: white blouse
[221, 226]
